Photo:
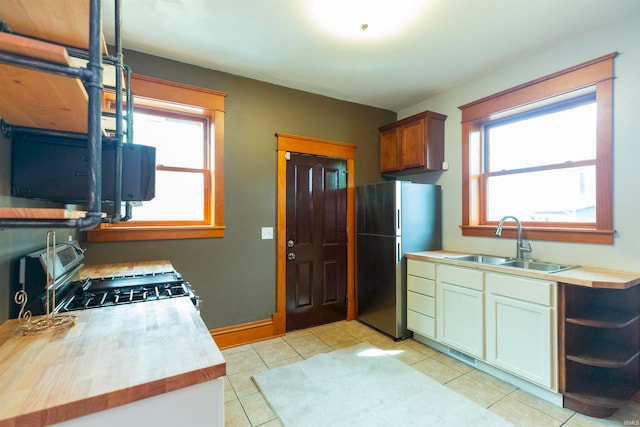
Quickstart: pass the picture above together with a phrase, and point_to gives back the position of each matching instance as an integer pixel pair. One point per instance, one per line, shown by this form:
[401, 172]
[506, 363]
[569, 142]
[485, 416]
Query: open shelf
[40, 99]
[599, 348]
[604, 354]
[599, 317]
[51, 80]
[604, 400]
[64, 22]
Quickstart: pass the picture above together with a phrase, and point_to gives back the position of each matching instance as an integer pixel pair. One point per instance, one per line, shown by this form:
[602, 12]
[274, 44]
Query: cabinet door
[412, 145]
[390, 150]
[520, 339]
[460, 318]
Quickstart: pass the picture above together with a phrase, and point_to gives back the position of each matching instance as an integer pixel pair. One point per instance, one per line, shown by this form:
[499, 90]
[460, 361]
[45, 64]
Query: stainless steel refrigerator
[392, 218]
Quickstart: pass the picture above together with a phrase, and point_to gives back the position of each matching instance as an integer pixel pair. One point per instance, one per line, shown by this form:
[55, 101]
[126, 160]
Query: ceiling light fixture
[364, 19]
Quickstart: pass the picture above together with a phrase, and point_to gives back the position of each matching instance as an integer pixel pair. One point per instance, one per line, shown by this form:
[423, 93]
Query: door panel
[316, 228]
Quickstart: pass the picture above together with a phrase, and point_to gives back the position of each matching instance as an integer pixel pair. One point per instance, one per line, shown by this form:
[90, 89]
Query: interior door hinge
[287, 155]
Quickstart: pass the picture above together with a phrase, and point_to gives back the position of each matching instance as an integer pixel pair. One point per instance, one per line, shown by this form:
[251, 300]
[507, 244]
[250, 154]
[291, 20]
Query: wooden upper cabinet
[414, 144]
[390, 150]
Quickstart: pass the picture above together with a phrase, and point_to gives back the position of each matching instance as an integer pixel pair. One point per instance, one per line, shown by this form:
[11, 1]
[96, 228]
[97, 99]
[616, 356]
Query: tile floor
[245, 406]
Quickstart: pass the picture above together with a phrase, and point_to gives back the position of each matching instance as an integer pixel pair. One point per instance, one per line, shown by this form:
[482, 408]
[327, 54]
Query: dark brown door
[316, 240]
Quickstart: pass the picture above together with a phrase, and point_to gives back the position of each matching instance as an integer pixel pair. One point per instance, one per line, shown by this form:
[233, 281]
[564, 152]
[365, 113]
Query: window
[185, 124]
[542, 152]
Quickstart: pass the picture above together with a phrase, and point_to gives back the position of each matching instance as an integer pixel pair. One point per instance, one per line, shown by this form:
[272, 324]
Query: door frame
[319, 147]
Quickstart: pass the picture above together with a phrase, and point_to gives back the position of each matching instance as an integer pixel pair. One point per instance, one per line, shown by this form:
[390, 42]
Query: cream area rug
[364, 386]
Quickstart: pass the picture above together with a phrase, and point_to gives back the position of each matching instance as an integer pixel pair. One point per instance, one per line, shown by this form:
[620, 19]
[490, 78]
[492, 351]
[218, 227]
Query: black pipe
[38, 64]
[93, 83]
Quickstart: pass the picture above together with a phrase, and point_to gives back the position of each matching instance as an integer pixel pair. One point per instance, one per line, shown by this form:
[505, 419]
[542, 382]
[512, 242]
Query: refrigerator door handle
[398, 249]
[398, 224]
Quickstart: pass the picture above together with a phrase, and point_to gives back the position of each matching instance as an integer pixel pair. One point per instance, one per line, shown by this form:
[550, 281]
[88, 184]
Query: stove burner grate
[105, 292]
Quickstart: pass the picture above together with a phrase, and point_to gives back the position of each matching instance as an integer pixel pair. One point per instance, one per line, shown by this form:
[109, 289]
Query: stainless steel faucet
[520, 248]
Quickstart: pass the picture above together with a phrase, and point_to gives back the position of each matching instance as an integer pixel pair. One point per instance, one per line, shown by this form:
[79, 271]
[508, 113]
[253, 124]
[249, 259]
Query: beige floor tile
[273, 423]
[357, 329]
[243, 361]
[557, 412]
[229, 393]
[491, 381]
[232, 350]
[313, 353]
[234, 415]
[521, 414]
[305, 343]
[242, 383]
[422, 348]
[437, 370]
[257, 409]
[476, 391]
[381, 341]
[405, 353]
[630, 413]
[453, 363]
[284, 362]
[322, 328]
[274, 350]
[333, 337]
[298, 333]
[579, 420]
[346, 344]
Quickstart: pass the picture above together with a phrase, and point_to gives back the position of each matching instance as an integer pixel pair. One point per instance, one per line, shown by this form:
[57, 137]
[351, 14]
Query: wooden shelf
[604, 355]
[40, 213]
[40, 99]
[65, 22]
[604, 400]
[598, 317]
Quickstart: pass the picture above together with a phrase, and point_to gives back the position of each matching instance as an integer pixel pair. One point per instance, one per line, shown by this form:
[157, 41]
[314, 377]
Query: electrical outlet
[267, 233]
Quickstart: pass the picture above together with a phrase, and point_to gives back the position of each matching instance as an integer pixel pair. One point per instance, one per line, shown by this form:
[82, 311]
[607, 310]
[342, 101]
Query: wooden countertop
[112, 356]
[125, 268]
[582, 276]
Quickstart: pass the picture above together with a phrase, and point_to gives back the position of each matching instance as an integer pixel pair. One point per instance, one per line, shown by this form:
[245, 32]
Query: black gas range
[73, 293]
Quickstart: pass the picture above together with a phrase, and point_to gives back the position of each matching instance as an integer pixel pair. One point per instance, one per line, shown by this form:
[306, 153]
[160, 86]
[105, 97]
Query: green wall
[235, 275]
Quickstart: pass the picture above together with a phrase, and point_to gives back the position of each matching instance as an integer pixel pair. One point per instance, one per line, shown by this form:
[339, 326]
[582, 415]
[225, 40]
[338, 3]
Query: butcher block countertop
[582, 276]
[112, 356]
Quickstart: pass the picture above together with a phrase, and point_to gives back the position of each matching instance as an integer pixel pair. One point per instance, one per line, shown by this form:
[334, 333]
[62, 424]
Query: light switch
[267, 233]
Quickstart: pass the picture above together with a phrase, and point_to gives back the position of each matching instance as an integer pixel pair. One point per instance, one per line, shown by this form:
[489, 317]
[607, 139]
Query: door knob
[291, 255]
[290, 243]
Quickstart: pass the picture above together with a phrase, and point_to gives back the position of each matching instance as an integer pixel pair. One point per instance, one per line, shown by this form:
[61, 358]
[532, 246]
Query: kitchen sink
[483, 259]
[537, 265]
[515, 263]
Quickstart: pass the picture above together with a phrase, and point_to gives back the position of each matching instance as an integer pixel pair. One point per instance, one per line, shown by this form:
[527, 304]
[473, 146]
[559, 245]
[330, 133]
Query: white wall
[621, 36]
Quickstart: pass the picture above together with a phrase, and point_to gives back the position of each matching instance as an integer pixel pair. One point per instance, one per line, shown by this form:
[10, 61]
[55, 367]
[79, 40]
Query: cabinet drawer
[421, 303]
[465, 277]
[421, 269]
[536, 291]
[421, 285]
[424, 325]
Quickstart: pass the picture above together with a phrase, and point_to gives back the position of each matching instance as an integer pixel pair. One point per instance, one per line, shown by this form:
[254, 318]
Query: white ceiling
[277, 41]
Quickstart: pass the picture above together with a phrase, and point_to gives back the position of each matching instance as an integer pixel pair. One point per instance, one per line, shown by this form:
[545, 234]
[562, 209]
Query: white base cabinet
[521, 327]
[506, 321]
[460, 309]
[421, 298]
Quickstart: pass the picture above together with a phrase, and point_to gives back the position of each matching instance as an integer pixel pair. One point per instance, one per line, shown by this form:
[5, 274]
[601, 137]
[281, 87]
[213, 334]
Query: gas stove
[109, 291]
[72, 294]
